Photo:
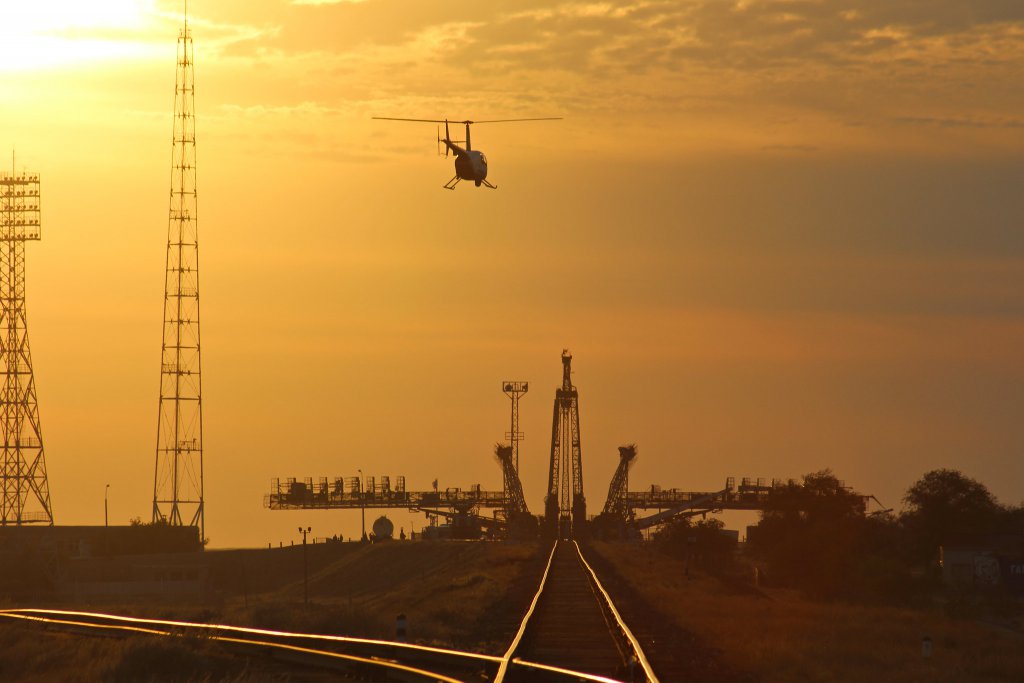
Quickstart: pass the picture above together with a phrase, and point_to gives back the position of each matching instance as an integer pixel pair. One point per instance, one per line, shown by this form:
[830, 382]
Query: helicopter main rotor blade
[388, 118]
[547, 118]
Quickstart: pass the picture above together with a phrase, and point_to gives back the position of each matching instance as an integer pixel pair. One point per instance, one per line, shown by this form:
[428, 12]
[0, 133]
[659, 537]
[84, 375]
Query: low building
[984, 561]
[79, 561]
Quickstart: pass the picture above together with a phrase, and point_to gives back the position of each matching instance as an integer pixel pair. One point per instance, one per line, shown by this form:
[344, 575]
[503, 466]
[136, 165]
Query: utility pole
[362, 500]
[106, 517]
[305, 565]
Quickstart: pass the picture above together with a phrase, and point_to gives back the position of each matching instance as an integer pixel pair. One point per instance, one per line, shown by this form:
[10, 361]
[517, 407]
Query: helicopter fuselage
[469, 164]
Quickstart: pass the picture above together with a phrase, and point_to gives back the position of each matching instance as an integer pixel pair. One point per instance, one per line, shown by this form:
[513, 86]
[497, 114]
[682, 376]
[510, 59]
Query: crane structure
[565, 507]
[615, 503]
[513, 488]
[178, 477]
[26, 492]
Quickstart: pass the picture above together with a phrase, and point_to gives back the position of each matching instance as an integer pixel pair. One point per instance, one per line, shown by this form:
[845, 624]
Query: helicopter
[470, 164]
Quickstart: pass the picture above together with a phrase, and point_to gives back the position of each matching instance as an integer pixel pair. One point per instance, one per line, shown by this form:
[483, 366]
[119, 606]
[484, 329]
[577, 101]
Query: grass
[782, 638]
[448, 592]
[472, 595]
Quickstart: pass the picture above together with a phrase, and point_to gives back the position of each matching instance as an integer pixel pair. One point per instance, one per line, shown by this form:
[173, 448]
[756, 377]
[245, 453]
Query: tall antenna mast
[26, 493]
[178, 481]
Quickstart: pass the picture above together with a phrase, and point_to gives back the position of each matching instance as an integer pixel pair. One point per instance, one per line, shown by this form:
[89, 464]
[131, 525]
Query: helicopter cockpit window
[483, 158]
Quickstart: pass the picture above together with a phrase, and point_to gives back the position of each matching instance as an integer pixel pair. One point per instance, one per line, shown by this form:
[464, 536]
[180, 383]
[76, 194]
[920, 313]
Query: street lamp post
[305, 565]
[362, 501]
[106, 516]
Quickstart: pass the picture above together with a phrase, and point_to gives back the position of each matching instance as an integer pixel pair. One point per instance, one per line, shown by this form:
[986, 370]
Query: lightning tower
[565, 508]
[514, 390]
[178, 480]
[26, 494]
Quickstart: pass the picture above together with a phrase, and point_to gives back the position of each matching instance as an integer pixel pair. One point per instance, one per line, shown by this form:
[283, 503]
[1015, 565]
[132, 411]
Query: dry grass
[34, 656]
[784, 638]
[445, 590]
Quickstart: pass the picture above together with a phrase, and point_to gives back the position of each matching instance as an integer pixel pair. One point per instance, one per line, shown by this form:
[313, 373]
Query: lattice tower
[514, 390]
[616, 504]
[515, 501]
[565, 506]
[26, 494]
[178, 481]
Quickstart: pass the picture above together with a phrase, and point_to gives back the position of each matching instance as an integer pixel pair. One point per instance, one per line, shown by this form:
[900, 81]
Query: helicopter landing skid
[450, 185]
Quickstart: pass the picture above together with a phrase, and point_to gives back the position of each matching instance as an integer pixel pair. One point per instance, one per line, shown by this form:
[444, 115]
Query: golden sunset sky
[776, 235]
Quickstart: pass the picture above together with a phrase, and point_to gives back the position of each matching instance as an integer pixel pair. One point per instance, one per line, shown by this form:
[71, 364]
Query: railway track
[360, 658]
[572, 631]
[572, 625]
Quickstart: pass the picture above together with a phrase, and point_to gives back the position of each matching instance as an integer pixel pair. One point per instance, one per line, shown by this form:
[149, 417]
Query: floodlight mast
[25, 497]
[514, 390]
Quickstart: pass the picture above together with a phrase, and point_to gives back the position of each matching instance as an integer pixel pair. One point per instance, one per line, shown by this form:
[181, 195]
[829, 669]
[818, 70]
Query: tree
[944, 504]
[810, 534]
[704, 542]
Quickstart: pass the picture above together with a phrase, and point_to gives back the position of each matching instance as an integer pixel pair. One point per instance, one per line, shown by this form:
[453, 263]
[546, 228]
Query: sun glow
[50, 33]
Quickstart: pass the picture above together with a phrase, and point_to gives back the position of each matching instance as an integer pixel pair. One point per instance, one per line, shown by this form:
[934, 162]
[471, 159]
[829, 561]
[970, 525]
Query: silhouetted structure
[514, 390]
[89, 561]
[615, 504]
[461, 507]
[565, 507]
[178, 480]
[515, 501]
[26, 494]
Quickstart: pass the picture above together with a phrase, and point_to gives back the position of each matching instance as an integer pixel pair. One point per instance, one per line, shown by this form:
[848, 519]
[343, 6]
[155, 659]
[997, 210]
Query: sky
[777, 236]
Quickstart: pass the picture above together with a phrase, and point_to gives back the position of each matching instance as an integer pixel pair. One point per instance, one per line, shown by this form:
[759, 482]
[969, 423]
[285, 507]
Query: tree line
[815, 535]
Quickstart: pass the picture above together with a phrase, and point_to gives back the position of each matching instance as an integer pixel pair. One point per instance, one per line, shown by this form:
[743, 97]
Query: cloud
[779, 76]
[325, 2]
[960, 122]
[789, 148]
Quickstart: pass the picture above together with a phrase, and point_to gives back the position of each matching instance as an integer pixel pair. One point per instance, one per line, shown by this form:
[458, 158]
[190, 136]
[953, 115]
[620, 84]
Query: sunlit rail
[511, 661]
[381, 654]
[406, 661]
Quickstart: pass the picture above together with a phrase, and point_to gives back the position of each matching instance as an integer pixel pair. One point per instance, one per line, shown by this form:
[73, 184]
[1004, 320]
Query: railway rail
[360, 657]
[572, 626]
[572, 631]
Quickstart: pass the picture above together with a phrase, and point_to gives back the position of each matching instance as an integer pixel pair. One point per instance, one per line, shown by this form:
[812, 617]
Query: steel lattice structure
[565, 507]
[26, 494]
[615, 504]
[514, 390]
[178, 480]
[515, 501]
